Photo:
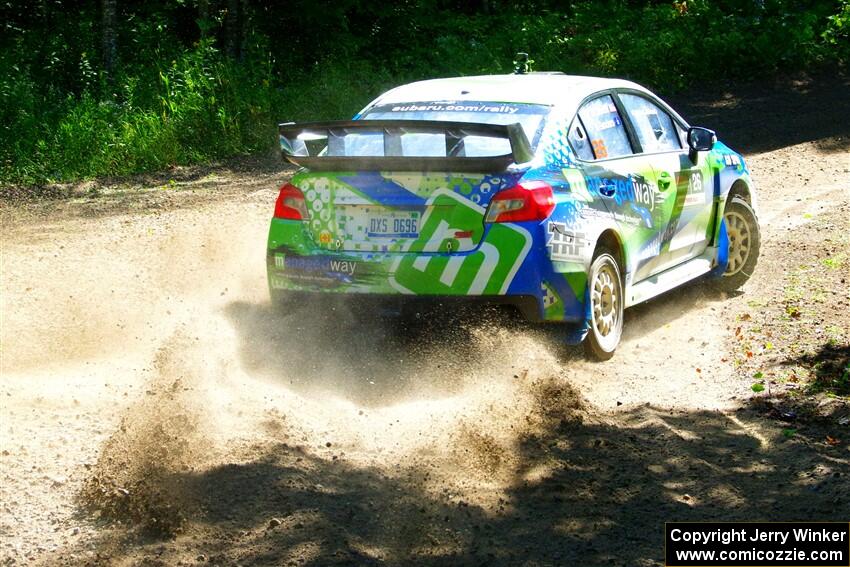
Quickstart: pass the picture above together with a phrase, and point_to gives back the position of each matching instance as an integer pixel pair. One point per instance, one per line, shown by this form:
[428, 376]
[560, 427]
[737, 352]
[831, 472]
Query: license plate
[391, 224]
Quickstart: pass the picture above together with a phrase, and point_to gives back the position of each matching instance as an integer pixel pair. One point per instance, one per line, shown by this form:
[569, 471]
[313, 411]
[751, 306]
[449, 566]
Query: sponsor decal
[279, 283]
[696, 194]
[304, 263]
[502, 108]
[633, 189]
[638, 191]
[641, 218]
[564, 244]
[314, 264]
[653, 247]
[343, 266]
[731, 160]
[457, 106]
[635, 198]
[489, 270]
[599, 148]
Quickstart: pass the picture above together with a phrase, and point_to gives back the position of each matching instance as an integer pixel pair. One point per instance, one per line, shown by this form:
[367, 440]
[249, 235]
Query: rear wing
[322, 146]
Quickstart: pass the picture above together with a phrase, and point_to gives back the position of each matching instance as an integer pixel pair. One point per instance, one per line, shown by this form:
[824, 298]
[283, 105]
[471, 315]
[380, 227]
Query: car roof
[532, 88]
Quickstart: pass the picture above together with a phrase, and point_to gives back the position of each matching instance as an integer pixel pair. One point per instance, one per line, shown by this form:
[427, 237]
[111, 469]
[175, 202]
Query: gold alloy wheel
[738, 231]
[605, 298]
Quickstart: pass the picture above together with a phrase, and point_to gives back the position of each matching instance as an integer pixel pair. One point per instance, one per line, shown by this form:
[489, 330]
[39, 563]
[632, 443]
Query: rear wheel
[605, 294]
[742, 230]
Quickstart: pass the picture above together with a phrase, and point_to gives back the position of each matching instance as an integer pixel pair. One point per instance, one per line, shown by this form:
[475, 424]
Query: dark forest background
[110, 87]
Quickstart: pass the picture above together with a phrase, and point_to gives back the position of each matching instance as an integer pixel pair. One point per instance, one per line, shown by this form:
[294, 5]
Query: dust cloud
[161, 434]
[223, 376]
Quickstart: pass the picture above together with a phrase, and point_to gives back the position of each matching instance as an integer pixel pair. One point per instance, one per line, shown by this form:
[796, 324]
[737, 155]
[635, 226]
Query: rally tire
[606, 301]
[742, 230]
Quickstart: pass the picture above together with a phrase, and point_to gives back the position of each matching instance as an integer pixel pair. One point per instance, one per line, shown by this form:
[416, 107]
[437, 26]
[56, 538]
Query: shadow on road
[584, 487]
[831, 367]
[589, 491]
[766, 115]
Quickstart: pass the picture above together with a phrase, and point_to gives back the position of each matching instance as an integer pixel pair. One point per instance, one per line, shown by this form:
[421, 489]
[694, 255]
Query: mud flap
[722, 252]
[576, 333]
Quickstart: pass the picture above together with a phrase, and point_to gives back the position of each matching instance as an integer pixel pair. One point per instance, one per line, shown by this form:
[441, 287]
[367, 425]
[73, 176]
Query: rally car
[569, 197]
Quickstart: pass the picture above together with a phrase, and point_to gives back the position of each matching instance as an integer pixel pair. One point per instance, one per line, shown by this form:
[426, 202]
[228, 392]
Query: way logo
[343, 266]
[488, 270]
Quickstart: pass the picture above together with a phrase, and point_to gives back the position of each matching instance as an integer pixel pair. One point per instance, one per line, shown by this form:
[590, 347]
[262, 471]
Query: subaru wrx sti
[571, 198]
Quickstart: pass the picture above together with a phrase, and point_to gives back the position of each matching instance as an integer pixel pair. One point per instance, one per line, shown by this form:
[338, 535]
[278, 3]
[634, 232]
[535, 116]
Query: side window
[605, 129]
[655, 128]
[579, 141]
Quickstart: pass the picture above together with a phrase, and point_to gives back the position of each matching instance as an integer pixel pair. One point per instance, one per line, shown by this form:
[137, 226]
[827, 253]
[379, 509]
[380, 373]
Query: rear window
[530, 116]
[605, 129]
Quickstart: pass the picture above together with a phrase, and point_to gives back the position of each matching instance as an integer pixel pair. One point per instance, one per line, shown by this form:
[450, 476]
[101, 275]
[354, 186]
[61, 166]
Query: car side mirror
[700, 140]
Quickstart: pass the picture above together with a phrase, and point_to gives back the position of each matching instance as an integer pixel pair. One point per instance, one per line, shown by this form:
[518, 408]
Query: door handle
[664, 181]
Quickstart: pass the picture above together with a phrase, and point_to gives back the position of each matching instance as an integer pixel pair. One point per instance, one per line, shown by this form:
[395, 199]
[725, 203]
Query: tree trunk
[232, 29]
[109, 43]
[243, 27]
[236, 28]
[204, 17]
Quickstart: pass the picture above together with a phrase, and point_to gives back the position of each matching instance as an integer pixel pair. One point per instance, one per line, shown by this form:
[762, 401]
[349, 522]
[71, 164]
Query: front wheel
[605, 294]
[742, 230]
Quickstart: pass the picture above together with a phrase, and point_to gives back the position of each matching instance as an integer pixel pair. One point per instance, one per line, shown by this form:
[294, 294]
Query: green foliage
[178, 98]
[198, 107]
[837, 32]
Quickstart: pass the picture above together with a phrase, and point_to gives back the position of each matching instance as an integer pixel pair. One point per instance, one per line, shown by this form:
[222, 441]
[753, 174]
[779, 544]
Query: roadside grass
[198, 109]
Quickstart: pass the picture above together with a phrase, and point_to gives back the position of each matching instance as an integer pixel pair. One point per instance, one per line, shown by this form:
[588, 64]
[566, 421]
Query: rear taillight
[532, 200]
[290, 204]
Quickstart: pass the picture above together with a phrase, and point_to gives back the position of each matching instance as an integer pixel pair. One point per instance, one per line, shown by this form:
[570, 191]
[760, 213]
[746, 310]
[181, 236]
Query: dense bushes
[178, 97]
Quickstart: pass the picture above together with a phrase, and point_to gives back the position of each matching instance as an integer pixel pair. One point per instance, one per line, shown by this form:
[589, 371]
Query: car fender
[729, 168]
[573, 230]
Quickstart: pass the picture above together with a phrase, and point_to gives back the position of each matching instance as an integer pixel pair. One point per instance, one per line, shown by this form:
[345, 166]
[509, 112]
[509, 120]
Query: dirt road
[156, 411]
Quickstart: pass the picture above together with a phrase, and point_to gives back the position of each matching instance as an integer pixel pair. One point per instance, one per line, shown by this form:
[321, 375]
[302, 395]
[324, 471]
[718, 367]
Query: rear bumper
[394, 305]
[502, 271]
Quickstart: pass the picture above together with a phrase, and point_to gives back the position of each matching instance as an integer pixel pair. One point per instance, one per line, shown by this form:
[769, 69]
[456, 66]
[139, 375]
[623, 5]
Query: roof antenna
[522, 64]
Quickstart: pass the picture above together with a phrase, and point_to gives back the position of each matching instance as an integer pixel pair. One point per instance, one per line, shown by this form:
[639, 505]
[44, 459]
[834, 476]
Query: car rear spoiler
[293, 138]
